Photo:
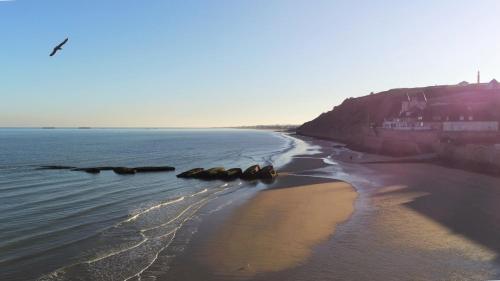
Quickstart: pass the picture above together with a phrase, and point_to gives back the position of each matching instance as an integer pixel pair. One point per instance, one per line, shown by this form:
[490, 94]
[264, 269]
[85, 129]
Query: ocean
[68, 225]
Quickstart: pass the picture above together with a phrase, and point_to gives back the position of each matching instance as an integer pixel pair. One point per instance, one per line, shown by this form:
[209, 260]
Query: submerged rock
[154, 169]
[191, 173]
[88, 170]
[124, 171]
[251, 172]
[267, 172]
[92, 171]
[56, 167]
[106, 168]
[118, 170]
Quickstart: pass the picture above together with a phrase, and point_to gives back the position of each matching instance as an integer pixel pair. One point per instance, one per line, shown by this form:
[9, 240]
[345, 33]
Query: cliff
[355, 121]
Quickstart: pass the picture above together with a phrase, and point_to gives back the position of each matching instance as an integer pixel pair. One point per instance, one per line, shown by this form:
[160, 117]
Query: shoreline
[273, 227]
[403, 225]
[279, 226]
[473, 157]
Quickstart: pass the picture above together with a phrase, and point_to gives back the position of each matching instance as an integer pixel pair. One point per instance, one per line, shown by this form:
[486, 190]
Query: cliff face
[351, 122]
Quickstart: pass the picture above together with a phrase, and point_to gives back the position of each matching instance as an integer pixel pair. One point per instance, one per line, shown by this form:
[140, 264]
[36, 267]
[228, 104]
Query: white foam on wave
[220, 207]
[329, 161]
[199, 192]
[145, 239]
[138, 274]
[175, 218]
[193, 207]
[154, 208]
[134, 217]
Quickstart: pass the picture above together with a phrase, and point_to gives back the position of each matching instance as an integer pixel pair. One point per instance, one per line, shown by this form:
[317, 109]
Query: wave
[59, 246]
[134, 243]
[149, 238]
[173, 219]
[119, 252]
[134, 217]
[199, 192]
[54, 185]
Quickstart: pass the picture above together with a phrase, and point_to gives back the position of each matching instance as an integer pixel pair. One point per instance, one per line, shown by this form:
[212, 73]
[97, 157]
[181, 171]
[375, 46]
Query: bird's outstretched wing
[62, 43]
[58, 47]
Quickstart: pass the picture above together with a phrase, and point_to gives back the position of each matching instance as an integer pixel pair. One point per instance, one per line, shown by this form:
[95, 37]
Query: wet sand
[277, 228]
[412, 221]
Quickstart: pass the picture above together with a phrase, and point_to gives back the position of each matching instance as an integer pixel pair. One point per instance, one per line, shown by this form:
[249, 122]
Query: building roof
[454, 111]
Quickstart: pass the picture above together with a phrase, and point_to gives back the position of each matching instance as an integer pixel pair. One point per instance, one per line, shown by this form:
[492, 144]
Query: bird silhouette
[58, 47]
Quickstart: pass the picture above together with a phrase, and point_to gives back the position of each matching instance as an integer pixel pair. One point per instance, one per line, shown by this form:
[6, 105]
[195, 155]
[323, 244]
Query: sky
[158, 63]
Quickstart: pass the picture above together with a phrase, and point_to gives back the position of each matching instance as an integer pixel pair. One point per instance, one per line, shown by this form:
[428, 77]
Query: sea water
[68, 225]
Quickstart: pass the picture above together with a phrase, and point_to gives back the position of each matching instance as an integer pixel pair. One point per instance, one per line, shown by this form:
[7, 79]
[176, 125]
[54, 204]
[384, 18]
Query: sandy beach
[330, 216]
[277, 228]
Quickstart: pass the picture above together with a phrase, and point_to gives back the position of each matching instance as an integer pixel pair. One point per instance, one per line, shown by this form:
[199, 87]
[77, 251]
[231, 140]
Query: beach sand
[277, 228]
[411, 221]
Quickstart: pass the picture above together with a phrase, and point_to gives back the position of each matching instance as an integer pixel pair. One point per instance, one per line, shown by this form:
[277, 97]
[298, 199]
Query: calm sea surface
[64, 225]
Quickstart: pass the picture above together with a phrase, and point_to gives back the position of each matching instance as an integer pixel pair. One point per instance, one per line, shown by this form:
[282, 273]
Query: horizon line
[145, 127]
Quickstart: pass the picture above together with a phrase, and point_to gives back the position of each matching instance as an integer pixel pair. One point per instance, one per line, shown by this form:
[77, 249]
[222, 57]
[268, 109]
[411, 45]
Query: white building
[471, 126]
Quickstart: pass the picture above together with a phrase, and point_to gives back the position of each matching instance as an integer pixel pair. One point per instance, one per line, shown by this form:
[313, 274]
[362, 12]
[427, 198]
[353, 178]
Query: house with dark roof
[435, 114]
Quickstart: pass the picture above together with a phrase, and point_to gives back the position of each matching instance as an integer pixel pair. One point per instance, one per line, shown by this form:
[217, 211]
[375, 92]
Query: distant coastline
[257, 127]
[279, 128]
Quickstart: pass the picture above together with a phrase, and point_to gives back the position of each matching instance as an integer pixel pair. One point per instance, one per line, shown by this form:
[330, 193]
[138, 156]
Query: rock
[124, 171]
[191, 173]
[251, 172]
[232, 174]
[267, 172]
[154, 169]
[106, 168]
[56, 167]
[88, 170]
[92, 171]
[212, 174]
[118, 170]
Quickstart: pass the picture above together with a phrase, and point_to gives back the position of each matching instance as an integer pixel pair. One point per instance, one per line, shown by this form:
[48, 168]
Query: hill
[357, 118]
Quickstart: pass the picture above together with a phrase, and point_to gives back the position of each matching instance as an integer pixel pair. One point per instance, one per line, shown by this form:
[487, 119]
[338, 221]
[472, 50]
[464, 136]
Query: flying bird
[58, 47]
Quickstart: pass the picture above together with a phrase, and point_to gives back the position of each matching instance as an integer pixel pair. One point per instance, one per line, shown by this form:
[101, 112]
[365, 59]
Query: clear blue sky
[220, 63]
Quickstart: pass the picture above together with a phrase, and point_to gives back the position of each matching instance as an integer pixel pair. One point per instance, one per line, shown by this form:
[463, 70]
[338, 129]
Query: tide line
[199, 192]
[175, 218]
[153, 208]
[120, 251]
[138, 275]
